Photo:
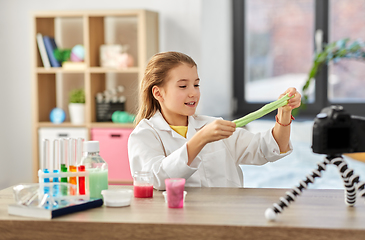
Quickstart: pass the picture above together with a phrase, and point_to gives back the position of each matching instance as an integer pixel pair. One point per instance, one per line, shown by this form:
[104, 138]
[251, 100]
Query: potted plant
[76, 106]
[334, 51]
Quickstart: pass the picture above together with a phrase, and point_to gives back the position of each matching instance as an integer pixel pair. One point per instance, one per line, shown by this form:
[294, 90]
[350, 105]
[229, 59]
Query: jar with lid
[97, 168]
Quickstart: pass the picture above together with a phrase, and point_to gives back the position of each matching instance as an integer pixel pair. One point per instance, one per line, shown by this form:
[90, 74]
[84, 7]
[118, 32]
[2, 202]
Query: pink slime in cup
[175, 192]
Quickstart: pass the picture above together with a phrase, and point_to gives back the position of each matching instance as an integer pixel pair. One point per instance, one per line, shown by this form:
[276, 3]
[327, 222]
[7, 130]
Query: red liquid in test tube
[82, 190]
[80, 168]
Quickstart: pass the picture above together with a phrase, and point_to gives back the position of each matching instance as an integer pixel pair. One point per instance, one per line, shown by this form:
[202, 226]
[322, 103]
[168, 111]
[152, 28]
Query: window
[347, 77]
[274, 49]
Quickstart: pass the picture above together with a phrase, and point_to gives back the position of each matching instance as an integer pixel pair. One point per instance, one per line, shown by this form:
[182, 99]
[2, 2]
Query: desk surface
[209, 213]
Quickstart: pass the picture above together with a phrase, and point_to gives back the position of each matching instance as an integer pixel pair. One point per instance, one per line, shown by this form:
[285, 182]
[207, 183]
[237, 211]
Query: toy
[77, 53]
[122, 117]
[125, 60]
[57, 115]
[334, 132]
[115, 56]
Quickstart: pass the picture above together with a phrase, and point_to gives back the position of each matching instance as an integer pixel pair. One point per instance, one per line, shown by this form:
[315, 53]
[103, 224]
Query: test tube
[56, 165]
[79, 144]
[72, 163]
[56, 158]
[80, 168]
[45, 162]
[64, 162]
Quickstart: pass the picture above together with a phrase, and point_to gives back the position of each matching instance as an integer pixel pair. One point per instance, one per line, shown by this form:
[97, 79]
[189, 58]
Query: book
[50, 45]
[74, 65]
[36, 212]
[42, 51]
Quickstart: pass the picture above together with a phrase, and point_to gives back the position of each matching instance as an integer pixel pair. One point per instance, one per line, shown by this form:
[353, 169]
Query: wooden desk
[209, 213]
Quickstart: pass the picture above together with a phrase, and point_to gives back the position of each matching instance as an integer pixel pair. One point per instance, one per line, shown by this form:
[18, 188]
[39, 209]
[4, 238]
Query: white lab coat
[154, 146]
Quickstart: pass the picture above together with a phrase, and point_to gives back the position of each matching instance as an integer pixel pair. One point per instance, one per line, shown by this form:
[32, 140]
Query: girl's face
[179, 96]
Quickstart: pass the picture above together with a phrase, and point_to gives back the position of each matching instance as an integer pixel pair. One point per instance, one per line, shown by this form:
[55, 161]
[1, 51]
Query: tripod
[352, 185]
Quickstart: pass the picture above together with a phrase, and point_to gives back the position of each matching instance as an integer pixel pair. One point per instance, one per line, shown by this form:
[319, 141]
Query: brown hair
[155, 74]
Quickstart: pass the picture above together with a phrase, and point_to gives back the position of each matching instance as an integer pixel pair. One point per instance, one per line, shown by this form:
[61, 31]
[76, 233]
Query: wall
[216, 65]
[195, 27]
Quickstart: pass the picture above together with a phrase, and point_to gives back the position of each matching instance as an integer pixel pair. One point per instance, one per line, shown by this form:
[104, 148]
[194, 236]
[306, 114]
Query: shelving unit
[137, 28]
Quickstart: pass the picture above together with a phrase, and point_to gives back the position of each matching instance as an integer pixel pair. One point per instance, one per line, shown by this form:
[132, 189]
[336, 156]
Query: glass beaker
[143, 184]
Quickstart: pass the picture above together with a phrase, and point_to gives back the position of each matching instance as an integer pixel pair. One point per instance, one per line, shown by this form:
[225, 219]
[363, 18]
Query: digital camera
[336, 132]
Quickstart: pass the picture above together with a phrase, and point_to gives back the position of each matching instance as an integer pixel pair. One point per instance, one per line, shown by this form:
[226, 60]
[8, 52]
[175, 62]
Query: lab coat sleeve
[146, 153]
[255, 148]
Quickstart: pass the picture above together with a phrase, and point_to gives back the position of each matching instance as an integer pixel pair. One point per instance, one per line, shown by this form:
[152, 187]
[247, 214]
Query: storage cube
[113, 144]
[56, 133]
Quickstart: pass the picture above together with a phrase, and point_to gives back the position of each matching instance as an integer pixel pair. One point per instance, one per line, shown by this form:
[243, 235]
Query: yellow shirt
[182, 130]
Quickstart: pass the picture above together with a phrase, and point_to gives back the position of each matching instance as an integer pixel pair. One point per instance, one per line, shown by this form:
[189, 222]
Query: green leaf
[306, 85]
[77, 96]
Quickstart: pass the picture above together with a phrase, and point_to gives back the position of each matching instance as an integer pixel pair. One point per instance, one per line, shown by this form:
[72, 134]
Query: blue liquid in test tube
[45, 160]
[45, 164]
[56, 166]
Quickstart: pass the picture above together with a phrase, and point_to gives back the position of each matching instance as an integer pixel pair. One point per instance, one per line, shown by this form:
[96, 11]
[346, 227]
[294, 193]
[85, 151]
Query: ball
[270, 214]
[57, 115]
[77, 53]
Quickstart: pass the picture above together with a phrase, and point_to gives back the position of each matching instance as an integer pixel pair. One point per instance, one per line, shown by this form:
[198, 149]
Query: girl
[172, 142]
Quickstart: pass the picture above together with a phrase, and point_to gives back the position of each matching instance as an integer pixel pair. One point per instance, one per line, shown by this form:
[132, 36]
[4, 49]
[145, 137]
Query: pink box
[114, 150]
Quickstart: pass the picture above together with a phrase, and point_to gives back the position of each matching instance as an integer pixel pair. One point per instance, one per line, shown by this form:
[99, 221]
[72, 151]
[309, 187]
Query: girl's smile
[191, 104]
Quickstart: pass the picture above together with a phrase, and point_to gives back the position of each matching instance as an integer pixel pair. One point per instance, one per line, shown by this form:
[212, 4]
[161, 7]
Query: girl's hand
[214, 131]
[217, 130]
[293, 102]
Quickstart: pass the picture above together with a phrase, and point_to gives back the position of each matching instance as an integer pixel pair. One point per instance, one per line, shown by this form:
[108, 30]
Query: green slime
[262, 111]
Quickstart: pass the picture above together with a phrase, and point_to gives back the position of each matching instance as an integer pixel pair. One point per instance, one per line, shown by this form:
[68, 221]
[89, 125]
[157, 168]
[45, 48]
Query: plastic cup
[143, 184]
[175, 192]
[165, 196]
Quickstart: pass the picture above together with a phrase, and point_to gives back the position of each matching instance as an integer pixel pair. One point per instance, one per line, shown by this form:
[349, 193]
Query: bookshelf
[51, 86]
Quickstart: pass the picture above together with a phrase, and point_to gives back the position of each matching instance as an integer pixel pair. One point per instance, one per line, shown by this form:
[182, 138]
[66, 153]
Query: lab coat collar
[159, 122]
[194, 123]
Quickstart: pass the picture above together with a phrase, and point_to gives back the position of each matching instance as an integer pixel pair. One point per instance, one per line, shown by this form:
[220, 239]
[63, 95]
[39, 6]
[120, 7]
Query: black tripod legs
[291, 195]
[351, 181]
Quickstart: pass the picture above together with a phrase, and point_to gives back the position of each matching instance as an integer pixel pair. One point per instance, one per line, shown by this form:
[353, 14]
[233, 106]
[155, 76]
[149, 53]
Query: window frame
[242, 107]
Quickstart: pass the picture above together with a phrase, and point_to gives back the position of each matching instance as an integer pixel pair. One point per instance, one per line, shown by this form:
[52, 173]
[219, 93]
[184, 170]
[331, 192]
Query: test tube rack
[42, 175]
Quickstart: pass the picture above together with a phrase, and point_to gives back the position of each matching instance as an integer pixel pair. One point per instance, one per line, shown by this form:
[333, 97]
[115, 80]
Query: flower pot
[77, 113]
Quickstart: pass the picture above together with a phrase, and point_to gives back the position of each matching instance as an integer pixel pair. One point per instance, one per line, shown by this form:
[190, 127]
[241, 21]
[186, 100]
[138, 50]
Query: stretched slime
[262, 111]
